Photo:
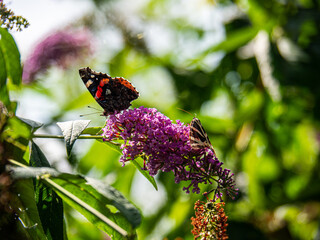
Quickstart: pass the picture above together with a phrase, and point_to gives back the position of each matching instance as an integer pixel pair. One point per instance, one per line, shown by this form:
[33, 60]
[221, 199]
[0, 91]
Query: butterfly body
[112, 94]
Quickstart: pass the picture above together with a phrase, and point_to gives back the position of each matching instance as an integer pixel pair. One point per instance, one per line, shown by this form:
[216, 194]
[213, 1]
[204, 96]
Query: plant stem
[61, 137]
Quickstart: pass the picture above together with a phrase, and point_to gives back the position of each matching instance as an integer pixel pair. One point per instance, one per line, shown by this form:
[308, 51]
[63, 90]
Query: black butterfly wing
[92, 80]
[112, 94]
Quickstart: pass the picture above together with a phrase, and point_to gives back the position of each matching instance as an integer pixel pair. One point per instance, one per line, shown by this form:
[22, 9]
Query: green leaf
[86, 195]
[117, 200]
[3, 70]
[17, 129]
[16, 135]
[11, 57]
[33, 124]
[92, 130]
[71, 130]
[24, 205]
[144, 172]
[4, 95]
[50, 209]
[115, 147]
[49, 204]
[80, 195]
[37, 158]
[135, 163]
[236, 39]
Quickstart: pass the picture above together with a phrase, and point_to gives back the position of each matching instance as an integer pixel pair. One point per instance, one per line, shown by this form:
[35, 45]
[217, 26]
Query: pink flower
[165, 146]
[61, 49]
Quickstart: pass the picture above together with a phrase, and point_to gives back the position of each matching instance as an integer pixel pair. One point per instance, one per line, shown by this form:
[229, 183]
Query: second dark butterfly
[198, 137]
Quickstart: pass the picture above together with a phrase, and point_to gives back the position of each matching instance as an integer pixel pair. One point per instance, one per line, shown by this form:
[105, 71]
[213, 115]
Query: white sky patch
[34, 105]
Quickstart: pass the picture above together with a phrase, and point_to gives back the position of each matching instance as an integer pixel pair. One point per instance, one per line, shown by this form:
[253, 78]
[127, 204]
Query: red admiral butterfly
[198, 136]
[112, 94]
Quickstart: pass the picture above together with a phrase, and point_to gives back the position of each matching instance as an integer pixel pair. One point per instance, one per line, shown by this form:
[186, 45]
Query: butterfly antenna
[82, 115]
[94, 108]
[184, 111]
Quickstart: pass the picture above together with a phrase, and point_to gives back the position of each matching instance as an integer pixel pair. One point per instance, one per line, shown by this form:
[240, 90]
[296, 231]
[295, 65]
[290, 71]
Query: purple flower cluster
[165, 146]
[60, 48]
[150, 134]
[206, 168]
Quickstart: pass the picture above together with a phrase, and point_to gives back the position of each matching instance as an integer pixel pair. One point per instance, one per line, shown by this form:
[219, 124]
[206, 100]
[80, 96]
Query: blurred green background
[249, 70]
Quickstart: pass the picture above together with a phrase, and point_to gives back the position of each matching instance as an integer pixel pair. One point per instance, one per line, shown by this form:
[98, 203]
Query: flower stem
[61, 137]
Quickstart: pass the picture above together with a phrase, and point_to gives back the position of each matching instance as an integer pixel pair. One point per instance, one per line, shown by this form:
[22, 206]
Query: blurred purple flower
[166, 146]
[61, 48]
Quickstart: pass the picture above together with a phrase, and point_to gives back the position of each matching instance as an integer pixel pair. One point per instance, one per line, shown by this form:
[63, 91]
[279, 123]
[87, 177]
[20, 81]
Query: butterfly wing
[198, 137]
[112, 94]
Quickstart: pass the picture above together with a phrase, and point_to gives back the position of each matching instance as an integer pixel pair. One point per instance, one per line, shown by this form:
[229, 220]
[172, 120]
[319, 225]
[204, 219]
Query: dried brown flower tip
[210, 221]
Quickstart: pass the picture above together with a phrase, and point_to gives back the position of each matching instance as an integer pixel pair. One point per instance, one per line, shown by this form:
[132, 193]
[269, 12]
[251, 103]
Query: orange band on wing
[126, 83]
[104, 81]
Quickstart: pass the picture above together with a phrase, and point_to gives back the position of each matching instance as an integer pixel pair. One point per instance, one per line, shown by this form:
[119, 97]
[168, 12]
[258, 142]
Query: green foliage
[88, 196]
[25, 206]
[11, 57]
[9, 64]
[92, 204]
[36, 208]
[49, 204]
